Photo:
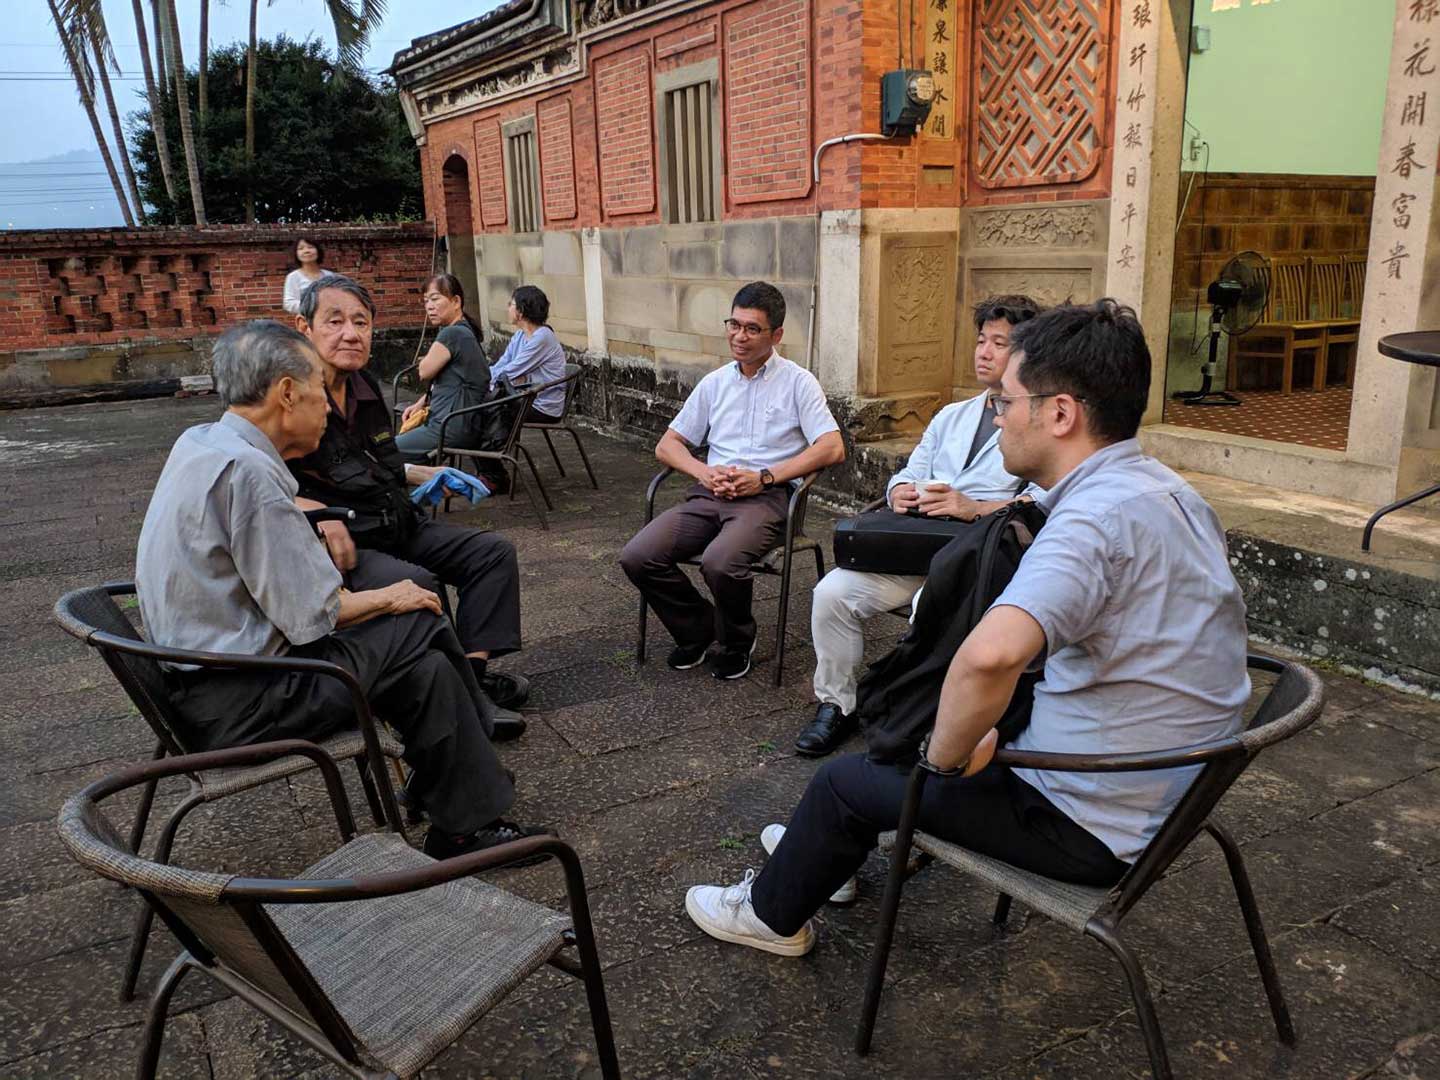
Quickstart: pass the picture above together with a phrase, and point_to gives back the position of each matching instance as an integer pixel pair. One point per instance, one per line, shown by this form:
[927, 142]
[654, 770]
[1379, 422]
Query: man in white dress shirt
[767, 425]
[956, 471]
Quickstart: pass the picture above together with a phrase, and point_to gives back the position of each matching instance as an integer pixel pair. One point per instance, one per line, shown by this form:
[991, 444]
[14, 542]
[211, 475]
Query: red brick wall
[623, 96]
[767, 101]
[104, 286]
[490, 169]
[557, 158]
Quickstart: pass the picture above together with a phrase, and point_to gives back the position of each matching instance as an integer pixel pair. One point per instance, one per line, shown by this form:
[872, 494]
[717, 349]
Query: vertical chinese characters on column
[940, 41]
[1135, 115]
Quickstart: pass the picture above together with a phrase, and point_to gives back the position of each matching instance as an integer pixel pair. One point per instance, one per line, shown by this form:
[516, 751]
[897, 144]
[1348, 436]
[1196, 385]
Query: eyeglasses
[748, 329]
[1002, 403]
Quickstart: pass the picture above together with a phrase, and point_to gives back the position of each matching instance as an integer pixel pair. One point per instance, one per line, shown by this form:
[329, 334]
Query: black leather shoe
[506, 690]
[508, 725]
[826, 732]
[499, 831]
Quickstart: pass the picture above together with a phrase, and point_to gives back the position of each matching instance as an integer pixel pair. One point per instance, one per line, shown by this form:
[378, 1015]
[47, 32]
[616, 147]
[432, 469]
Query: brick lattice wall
[82, 287]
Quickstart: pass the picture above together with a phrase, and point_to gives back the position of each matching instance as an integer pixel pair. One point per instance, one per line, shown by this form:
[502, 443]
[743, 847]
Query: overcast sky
[41, 116]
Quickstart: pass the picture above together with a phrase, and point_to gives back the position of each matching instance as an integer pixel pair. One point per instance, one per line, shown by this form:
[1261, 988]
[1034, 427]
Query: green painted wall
[1291, 86]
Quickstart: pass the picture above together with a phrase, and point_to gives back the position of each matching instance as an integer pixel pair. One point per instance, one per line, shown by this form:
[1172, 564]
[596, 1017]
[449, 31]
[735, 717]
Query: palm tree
[182, 101]
[79, 67]
[104, 59]
[152, 94]
[353, 19]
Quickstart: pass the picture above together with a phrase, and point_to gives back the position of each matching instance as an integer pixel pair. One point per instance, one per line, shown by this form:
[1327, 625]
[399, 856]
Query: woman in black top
[455, 367]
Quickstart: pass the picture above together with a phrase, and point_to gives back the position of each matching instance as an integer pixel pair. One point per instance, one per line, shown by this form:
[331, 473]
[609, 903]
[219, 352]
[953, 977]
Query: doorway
[459, 232]
[1281, 141]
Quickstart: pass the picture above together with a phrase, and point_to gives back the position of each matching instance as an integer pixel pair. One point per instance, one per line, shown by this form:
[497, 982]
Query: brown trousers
[727, 536]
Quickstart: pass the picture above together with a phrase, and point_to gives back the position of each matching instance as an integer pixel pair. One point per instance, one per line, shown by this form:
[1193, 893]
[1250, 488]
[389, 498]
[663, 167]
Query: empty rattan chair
[794, 543]
[92, 616]
[378, 957]
[570, 380]
[1292, 705]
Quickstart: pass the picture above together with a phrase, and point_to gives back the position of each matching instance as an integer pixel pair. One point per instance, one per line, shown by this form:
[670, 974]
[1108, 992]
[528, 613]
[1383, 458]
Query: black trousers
[851, 800]
[480, 564]
[727, 535]
[416, 678]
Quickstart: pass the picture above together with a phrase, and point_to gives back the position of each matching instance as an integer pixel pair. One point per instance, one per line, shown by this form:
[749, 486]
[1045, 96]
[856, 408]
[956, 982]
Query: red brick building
[639, 160]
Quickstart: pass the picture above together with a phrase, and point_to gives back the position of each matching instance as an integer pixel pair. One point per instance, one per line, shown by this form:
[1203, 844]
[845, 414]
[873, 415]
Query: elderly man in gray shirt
[228, 563]
[1126, 597]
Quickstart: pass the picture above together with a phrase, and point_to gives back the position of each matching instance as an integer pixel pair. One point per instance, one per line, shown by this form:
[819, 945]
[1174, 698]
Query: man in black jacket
[358, 466]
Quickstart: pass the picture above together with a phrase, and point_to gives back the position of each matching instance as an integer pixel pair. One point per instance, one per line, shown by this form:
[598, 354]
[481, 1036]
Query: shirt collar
[1104, 458]
[766, 369]
[251, 434]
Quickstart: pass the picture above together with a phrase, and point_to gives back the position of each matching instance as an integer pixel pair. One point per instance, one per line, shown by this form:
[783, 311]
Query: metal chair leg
[372, 797]
[558, 467]
[1259, 943]
[147, 800]
[644, 625]
[1398, 504]
[155, 1017]
[145, 918]
[1140, 994]
[535, 473]
[1002, 910]
[591, 973]
[515, 478]
[784, 617]
[584, 457]
[890, 908]
[819, 563]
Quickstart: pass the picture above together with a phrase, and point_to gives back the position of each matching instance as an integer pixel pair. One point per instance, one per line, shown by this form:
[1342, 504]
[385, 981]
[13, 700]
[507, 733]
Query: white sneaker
[770, 840]
[725, 913]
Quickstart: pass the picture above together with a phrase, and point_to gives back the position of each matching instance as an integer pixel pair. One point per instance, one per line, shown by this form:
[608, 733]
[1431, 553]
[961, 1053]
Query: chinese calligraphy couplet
[1134, 128]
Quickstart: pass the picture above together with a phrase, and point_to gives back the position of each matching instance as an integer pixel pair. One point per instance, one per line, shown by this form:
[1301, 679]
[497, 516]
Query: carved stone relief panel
[1049, 285]
[1039, 71]
[1056, 226]
[917, 312]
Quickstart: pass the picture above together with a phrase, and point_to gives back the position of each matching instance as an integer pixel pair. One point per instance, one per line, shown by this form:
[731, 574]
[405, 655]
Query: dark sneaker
[684, 657]
[826, 732]
[731, 663]
[506, 690]
[499, 831]
[508, 725]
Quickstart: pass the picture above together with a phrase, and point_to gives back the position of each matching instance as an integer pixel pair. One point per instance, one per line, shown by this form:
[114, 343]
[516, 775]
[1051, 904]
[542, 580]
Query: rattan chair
[795, 542]
[570, 380]
[508, 454]
[1292, 705]
[378, 956]
[92, 616]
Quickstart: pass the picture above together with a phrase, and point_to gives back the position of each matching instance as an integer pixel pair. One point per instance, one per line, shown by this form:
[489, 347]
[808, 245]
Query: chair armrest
[270, 890]
[696, 451]
[875, 504]
[1046, 761]
[233, 758]
[520, 396]
[395, 382]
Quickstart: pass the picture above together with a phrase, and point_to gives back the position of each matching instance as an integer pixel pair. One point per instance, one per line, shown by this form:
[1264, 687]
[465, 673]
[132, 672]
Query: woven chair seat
[217, 783]
[411, 973]
[1071, 905]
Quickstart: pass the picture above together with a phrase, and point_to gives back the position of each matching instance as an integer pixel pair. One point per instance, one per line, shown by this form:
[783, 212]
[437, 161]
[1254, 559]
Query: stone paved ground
[662, 780]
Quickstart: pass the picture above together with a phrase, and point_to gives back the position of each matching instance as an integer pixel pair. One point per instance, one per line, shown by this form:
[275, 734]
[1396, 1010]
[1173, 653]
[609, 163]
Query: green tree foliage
[331, 145]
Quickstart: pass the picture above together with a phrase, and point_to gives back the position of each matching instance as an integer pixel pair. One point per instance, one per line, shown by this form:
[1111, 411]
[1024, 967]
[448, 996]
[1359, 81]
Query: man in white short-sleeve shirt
[956, 471]
[767, 425]
[1126, 597]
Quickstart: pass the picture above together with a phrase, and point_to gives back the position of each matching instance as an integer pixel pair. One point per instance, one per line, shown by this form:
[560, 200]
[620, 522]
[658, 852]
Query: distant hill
[67, 191]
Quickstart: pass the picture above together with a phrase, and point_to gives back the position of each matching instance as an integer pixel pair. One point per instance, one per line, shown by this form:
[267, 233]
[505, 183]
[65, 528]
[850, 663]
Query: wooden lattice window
[690, 144]
[522, 175]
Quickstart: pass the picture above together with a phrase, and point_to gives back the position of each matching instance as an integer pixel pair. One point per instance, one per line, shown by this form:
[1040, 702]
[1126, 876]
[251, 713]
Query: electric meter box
[905, 98]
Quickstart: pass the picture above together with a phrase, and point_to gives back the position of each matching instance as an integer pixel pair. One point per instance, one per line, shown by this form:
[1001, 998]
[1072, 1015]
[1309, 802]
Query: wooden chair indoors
[1284, 331]
[1332, 304]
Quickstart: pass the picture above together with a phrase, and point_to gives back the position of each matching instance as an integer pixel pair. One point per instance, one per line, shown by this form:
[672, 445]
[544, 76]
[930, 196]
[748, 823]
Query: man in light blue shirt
[1127, 599]
[767, 424]
[956, 471]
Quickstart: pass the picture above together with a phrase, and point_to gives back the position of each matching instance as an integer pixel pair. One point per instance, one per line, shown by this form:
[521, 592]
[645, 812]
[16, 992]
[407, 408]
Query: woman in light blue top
[534, 355]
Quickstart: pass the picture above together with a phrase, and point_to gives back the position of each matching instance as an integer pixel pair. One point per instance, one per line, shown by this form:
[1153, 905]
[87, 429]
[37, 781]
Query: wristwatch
[767, 478]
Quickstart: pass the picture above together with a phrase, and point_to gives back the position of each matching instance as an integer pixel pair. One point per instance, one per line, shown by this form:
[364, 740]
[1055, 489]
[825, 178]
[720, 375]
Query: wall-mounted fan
[1237, 297]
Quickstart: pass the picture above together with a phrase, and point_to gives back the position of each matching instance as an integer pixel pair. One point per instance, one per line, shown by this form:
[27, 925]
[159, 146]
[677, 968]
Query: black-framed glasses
[749, 329]
[1002, 402]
